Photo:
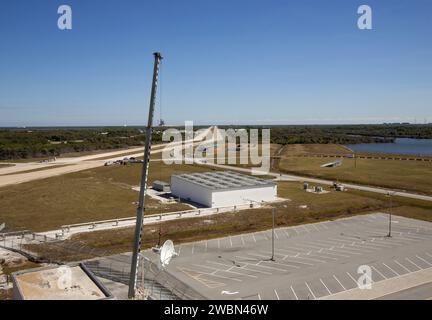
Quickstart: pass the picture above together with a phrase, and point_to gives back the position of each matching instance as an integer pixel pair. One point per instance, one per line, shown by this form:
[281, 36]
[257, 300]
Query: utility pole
[143, 186]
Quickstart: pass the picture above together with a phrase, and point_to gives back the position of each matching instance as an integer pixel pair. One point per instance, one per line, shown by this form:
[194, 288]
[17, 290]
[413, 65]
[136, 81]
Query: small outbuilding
[161, 186]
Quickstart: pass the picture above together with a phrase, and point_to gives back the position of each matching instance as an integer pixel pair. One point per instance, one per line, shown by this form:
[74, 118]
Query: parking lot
[312, 261]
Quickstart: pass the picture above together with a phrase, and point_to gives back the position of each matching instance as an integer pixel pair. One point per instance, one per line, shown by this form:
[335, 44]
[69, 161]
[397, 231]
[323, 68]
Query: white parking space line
[295, 295]
[345, 250]
[230, 239]
[277, 296]
[295, 252]
[310, 290]
[334, 254]
[413, 263]
[253, 236]
[391, 269]
[310, 259]
[283, 264]
[402, 266]
[231, 267]
[316, 228]
[268, 267]
[193, 247]
[215, 275]
[218, 242]
[215, 270]
[321, 256]
[242, 240]
[253, 270]
[325, 286]
[206, 245]
[425, 261]
[340, 283]
[308, 244]
[286, 233]
[355, 281]
[276, 235]
[179, 249]
[377, 271]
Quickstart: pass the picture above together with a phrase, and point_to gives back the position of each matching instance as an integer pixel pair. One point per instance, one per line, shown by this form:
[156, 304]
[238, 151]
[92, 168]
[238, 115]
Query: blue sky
[227, 62]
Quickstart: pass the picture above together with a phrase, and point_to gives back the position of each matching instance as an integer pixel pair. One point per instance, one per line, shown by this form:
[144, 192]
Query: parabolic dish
[166, 253]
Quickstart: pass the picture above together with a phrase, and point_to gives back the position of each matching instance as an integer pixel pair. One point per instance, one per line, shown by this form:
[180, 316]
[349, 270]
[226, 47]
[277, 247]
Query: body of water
[418, 147]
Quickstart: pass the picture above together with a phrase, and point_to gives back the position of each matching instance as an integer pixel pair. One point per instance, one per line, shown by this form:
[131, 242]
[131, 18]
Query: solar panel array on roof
[224, 180]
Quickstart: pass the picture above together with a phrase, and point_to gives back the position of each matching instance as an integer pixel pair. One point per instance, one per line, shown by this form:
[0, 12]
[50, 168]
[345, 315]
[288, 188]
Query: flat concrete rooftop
[224, 180]
[58, 283]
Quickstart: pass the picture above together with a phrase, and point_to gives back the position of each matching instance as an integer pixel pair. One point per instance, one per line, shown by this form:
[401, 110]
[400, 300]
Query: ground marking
[401, 265]
[355, 281]
[325, 286]
[413, 263]
[424, 260]
[292, 289]
[231, 241]
[383, 276]
[277, 296]
[340, 283]
[391, 269]
[310, 290]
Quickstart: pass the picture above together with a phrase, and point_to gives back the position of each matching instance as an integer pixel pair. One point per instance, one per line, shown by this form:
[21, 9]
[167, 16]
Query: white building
[222, 188]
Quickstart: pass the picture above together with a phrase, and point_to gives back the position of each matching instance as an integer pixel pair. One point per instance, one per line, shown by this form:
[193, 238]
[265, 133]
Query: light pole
[390, 194]
[273, 228]
[273, 233]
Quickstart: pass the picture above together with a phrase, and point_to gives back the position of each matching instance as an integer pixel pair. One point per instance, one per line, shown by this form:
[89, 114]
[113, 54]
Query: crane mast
[143, 185]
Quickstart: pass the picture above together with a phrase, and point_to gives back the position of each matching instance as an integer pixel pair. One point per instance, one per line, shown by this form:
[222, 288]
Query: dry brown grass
[97, 194]
[320, 207]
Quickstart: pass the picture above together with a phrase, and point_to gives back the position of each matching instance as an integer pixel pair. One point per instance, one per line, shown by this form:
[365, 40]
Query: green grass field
[403, 175]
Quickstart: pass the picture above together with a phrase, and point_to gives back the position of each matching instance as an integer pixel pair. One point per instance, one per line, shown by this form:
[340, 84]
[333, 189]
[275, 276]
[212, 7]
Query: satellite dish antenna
[167, 252]
[2, 226]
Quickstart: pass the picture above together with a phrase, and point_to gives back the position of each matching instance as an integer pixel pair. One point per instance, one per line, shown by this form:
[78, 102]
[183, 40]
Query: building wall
[190, 191]
[243, 196]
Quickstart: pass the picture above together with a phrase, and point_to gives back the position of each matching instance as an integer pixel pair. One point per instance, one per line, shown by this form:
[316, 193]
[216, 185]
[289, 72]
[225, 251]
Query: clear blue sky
[242, 61]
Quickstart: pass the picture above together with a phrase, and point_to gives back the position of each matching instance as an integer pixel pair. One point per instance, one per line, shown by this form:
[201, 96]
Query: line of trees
[23, 144]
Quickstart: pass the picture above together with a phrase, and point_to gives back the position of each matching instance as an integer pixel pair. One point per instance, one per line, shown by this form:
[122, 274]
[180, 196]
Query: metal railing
[154, 218]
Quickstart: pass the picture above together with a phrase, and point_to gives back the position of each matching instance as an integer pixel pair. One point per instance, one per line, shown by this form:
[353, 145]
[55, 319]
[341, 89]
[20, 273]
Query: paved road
[15, 175]
[290, 177]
